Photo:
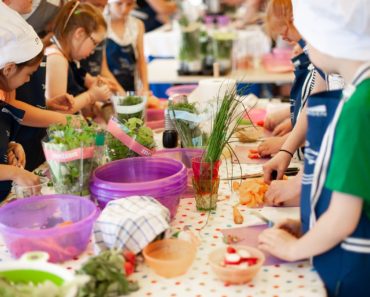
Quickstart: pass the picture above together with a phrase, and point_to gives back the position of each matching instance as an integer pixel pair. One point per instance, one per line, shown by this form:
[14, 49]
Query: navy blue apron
[76, 79]
[92, 64]
[122, 63]
[345, 269]
[33, 93]
[147, 14]
[302, 85]
[320, 111]
[10, 118]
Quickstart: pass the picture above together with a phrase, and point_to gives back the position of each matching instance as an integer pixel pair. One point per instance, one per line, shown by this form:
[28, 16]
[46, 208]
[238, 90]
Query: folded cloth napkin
[130, 223]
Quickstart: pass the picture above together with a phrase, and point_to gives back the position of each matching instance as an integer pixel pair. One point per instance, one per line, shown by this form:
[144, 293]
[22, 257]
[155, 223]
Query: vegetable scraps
[71, 175]
[108, 276]
[134, 128]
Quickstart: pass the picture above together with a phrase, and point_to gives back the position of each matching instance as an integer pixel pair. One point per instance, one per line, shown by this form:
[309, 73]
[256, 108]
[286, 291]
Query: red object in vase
[205, 170]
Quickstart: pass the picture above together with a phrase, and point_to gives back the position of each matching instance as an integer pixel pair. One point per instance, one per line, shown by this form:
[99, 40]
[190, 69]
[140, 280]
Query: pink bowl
[155, 118]
[278, 61]
[60, 225]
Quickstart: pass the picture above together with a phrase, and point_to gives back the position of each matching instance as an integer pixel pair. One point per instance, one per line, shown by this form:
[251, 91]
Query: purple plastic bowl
[184, 155]
[162, 178]
[60, 225]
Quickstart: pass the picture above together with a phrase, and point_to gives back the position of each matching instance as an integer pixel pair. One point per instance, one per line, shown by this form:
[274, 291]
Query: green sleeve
[349, 169]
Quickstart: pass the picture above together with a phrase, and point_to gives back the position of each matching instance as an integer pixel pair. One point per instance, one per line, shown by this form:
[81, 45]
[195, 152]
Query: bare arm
[342, 216]
[142, 66]
[56, 84]
[18, 175]
[281, 160]
[37, 117]
[106, 73]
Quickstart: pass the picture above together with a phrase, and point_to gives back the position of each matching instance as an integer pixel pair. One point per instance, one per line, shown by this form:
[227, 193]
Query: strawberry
[129, 268]
[251, 261]
[130, 257]
[230, 250]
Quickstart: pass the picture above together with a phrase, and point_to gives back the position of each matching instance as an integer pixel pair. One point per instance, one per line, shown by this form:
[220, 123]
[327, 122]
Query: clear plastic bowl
[235, 275]
[161, 178]
[28, 191]
[60, 225]
[169, 257]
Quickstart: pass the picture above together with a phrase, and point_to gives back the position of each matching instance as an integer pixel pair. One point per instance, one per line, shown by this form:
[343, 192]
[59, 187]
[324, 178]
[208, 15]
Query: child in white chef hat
[21, 51]
[338, 236]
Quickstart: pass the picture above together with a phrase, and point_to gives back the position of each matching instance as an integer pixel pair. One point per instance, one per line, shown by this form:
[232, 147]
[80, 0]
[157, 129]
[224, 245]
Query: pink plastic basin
[60, 225]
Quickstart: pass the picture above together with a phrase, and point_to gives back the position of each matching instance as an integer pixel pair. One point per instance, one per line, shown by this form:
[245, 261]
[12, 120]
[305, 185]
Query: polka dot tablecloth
[296, 279]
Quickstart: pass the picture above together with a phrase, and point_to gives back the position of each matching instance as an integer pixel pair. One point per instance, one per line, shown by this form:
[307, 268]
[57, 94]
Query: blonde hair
[74, 15]
[281, 10]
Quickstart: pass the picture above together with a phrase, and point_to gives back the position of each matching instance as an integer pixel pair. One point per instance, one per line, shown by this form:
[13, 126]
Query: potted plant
[206, 167]
[188, 121]
[130, 106]
[130, 138]
[70, 153]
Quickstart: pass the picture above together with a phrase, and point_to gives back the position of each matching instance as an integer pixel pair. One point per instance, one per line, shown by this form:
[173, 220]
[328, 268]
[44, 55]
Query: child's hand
[275, 118]
[282, 192]
[291, 226]
[279, 243]
[16, 155]
[270, 146]
[112, 85]
[26, 178]
[283, 128]
[61, 103]
[280, 163]
[99, 93]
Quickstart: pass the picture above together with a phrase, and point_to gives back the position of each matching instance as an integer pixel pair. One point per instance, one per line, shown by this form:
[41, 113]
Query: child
[79, 28]
[96, 64]
[125, 50]
[20, 53]
[279, 22]
[335, 211]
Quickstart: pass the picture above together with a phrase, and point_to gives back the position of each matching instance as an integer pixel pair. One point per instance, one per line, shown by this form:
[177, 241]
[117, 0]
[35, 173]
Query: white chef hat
[339, 28]
[18, 41]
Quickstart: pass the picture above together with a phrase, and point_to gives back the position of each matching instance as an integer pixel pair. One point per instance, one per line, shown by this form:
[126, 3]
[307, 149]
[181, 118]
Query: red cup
[205, 170]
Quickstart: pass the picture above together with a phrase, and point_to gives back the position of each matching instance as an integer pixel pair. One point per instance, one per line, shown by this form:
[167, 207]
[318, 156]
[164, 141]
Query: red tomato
[129, 268]
[130, 257]
[254, 156]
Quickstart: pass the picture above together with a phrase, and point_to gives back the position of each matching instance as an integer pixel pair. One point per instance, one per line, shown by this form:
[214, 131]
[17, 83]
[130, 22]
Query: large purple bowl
[60, 225]
[162, 178]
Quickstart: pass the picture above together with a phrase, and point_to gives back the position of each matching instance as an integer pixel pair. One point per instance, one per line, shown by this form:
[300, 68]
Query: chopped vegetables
[108, 275]
[251, 192]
